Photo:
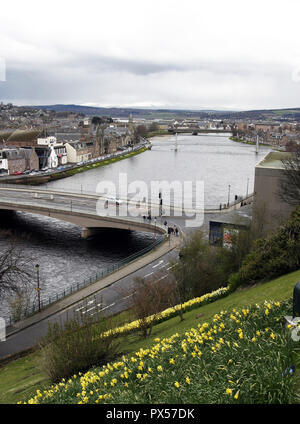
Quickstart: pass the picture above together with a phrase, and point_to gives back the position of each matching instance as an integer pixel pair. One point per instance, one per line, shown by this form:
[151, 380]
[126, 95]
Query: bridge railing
[45, 188]
[45, 302]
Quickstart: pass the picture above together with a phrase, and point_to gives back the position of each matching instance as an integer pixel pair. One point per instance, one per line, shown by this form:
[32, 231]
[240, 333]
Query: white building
[58, 152]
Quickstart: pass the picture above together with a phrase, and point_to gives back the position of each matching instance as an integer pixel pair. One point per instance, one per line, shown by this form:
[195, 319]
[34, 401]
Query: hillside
[21, 378]
[272, 114]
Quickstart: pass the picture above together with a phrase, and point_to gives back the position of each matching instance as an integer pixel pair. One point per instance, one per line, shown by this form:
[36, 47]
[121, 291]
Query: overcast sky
[193, 54]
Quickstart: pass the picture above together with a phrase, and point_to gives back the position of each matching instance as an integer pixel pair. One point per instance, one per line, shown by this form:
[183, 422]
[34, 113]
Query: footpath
[90, 290]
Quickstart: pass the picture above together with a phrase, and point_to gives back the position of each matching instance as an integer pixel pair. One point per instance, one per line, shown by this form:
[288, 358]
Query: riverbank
[163, 133]
[42, 179]
[239, 140]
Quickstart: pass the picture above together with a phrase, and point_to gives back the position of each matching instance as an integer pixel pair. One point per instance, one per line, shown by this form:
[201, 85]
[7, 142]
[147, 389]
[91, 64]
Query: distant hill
[271, 114]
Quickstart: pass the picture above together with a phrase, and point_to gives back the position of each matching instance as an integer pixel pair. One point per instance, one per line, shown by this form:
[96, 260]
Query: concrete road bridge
[89, 211]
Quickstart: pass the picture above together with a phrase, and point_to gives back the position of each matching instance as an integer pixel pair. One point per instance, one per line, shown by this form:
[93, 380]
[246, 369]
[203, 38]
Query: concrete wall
[267, 203]
[71, 153]
[33, 161]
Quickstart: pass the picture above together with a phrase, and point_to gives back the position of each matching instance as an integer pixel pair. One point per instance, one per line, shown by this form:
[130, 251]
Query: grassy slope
[21, 378]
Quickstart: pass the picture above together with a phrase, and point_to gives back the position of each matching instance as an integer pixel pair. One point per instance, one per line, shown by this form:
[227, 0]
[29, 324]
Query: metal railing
[73, 288]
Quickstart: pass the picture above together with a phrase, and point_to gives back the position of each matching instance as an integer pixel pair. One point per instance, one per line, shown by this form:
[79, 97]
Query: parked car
[17, 173]
[3, 172]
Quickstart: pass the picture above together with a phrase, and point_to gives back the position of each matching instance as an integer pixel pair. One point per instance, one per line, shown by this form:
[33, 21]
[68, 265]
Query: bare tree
[16, 270]
[289, 188]
[149, 297]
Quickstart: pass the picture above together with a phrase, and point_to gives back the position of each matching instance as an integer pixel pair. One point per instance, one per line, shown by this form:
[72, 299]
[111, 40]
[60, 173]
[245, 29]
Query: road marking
[148, 275]
[162, 278]
[77, 310]
[170, 267]
[109, 306]
[159, 263]
[88, 310]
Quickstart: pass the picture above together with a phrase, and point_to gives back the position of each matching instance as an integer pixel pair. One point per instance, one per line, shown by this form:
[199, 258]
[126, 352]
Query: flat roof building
[268, 205]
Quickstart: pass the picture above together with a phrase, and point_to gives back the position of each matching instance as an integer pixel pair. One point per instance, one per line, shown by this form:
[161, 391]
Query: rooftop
[240, 217]
[24, 135]
[273, 160]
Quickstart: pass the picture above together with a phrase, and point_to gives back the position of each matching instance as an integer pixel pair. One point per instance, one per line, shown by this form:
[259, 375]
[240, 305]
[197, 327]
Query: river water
[65, 258]
[214, 159]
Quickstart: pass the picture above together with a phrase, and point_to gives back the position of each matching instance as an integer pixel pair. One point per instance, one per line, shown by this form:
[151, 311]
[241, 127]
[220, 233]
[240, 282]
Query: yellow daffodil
[236, 396]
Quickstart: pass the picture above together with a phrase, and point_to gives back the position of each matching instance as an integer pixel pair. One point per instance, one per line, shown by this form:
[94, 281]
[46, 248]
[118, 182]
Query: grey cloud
[99, 64]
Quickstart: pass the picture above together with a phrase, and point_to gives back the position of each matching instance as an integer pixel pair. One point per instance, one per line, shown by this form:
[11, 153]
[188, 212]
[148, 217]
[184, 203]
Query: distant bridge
[199, 131]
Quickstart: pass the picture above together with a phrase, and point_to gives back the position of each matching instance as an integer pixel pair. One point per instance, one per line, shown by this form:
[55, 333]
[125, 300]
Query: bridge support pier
[88, 232]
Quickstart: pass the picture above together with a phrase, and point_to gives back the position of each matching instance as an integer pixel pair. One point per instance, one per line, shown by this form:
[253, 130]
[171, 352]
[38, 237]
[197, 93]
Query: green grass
[285, 111]
[158, 133]
[20, 379]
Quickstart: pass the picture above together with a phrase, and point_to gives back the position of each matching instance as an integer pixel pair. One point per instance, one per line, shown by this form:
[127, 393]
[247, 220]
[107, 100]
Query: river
[214, 159]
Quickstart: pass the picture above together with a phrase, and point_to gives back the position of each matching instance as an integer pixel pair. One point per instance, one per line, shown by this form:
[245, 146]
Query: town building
[269, 208]
[55, 151]
[12, 160]
[79, 151]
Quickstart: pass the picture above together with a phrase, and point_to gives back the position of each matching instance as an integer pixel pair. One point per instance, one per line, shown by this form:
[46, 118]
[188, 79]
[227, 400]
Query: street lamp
[247, 188]
[38, 285]
[228, 195]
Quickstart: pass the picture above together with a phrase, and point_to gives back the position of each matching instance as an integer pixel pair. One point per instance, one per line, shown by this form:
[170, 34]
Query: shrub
[275, 255]
[149, 298]
[199, 270]
[234, 282]
[76, 344]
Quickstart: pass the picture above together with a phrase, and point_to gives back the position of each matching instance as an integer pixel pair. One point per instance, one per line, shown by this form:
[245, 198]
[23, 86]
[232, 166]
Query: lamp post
[247, 187]
[38, 285]
[155, 233]
[228, 195]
